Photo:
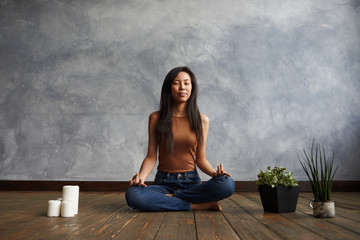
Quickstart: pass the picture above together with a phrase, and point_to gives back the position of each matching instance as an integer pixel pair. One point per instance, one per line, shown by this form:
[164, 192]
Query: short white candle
[71, 193]
[67, 209]
[54, 208]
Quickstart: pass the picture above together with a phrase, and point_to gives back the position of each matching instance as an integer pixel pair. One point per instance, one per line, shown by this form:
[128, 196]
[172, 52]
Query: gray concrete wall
[79, 79]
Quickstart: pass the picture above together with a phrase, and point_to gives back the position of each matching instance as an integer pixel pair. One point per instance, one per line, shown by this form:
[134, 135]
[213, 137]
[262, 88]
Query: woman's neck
[179, 110]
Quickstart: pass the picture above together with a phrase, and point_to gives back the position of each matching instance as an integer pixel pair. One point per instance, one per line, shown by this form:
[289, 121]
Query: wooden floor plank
[144, 226]
[112, 214]
[107, 216]
[95, 206]
[304, 217]
[340, 219]
[177, 225]
[246, 225]
[213, 225]
[340, 200]
[92, 206]
[283, 227]
[354, 196]
[25, 211]
[349, 211]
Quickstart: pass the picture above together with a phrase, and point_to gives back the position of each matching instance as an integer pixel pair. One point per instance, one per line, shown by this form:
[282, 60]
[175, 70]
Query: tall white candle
[71, 193]
[67, 209]
[54, 208]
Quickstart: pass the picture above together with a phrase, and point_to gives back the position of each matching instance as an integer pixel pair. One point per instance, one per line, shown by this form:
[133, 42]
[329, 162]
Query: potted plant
[319, 169]
[278, 189]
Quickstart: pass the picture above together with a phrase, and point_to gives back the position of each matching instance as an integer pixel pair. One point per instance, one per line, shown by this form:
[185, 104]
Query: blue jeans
[186, 188]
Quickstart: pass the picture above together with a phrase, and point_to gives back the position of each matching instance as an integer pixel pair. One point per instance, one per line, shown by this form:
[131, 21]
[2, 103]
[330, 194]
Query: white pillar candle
[71, 193]
[67, 209]
[54, 208]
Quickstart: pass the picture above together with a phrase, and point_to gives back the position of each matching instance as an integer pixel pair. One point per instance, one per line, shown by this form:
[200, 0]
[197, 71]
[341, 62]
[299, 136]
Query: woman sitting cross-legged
[180, 132]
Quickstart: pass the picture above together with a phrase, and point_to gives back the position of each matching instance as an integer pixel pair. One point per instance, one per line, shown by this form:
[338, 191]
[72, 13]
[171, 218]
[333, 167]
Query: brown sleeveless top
[183, 159]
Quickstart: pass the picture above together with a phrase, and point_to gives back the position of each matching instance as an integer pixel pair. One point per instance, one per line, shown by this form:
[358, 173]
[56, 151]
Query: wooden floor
[106, 216]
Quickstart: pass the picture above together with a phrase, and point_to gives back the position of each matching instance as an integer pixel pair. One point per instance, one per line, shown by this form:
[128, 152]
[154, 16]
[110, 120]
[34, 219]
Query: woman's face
[181, 87]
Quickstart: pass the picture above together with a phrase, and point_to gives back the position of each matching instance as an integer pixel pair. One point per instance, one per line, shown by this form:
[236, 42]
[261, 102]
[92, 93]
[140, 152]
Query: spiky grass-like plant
[319, 170]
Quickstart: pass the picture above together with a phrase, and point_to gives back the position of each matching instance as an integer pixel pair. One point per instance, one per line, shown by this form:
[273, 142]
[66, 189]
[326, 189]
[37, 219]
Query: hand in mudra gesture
[220, 171]
[137, 181]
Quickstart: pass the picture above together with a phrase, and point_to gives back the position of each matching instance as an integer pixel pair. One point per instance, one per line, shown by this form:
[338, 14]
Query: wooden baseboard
[121, 186]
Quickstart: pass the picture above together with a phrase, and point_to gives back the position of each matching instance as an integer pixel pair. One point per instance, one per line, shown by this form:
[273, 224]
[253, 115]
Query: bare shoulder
[204, 119]
[154, 115]
[153, 118]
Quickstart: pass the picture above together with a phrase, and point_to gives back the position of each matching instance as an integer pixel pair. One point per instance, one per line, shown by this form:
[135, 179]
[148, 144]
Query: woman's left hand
[220, 171]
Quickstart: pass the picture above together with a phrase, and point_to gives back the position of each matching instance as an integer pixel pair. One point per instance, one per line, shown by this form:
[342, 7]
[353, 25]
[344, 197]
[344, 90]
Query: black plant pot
[279, 199]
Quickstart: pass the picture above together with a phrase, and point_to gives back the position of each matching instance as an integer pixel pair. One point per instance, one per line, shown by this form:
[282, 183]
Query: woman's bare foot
[202, 206]
[206, 206]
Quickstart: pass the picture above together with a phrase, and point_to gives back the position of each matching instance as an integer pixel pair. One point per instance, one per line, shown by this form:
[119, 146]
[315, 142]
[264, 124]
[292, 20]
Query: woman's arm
[201, 160]
[150, 160]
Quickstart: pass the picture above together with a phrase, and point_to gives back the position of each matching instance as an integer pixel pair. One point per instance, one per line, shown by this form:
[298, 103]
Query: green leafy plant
[278, 176]
[319, 169]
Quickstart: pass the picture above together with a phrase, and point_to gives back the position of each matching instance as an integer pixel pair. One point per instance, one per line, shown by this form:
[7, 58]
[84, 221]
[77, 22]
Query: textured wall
[79, 79]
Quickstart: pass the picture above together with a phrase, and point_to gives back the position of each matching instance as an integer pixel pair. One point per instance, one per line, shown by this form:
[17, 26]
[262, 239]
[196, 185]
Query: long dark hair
[164, 127]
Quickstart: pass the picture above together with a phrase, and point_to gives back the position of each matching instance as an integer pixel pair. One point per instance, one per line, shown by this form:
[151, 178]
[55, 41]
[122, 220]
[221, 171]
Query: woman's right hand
[137, 181]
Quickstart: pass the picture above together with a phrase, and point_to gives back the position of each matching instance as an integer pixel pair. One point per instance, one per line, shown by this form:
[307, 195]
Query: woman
[180, 132]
